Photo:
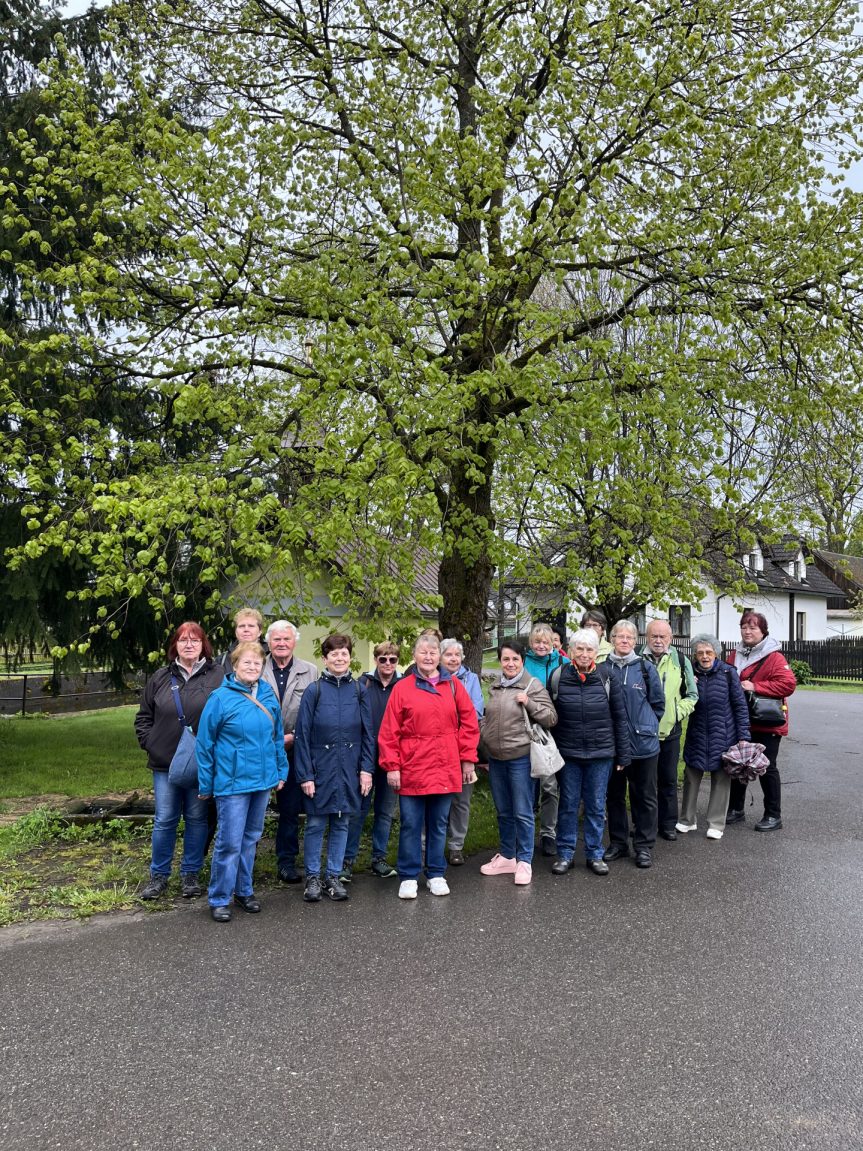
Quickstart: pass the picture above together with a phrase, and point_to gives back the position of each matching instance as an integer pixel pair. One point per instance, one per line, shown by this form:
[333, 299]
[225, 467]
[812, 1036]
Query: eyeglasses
[388, 659]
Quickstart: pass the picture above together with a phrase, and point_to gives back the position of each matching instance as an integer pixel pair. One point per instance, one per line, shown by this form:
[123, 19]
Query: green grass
[75, 755]
[848, 687]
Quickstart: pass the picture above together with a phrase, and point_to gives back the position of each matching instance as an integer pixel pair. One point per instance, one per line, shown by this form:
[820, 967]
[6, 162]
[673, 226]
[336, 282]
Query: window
[800, 625]
[679, 618]
[754, 561]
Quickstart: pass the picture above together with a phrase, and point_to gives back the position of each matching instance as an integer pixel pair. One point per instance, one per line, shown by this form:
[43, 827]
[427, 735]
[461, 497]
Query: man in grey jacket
[289, 677]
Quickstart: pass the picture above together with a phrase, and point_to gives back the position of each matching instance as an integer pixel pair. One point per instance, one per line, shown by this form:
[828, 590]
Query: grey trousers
[549, 795]
[459, 816]
[717, 804]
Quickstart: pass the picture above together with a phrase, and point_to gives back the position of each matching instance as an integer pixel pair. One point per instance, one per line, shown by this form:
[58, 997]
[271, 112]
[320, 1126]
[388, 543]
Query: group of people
[333, 747]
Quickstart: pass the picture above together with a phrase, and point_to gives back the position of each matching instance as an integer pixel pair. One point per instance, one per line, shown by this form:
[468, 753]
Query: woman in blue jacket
[644, 701]
[720, 720]
[241, 757]
[334, 758]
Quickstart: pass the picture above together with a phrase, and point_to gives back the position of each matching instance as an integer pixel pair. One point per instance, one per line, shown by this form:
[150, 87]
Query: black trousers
[666, 782]
[771, 784]
[641, 777]
[289, 803]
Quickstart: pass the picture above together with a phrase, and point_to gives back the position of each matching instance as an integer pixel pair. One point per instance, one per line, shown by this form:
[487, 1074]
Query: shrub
[802, 670]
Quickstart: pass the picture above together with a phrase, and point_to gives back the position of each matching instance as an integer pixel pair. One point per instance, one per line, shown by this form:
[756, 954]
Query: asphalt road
[714, 1001]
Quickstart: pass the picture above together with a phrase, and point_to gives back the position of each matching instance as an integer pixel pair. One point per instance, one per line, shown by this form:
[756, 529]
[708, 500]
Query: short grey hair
[625, 625]
[280, 625]
[585, 635]
[426, 639]
[706, 640]
[451, 645]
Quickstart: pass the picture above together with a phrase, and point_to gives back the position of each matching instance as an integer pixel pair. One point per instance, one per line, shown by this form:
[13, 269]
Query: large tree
[398, 219]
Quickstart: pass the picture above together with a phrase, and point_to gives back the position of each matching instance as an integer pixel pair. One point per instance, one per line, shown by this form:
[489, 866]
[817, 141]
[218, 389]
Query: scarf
[744, 655]
[623, 660]
[504, 682]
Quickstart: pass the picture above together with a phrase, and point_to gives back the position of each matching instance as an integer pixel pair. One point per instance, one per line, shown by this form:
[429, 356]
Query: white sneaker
[714, 833]
[684, 827]
[408, 889]
[438, 885]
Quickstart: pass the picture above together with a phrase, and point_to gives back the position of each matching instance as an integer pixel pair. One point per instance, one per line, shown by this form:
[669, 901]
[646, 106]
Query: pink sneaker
[523, 874]
[499, 865]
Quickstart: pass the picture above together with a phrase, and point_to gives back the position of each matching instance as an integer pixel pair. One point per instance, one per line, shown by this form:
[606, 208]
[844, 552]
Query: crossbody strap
[265, 710]
[175, 691]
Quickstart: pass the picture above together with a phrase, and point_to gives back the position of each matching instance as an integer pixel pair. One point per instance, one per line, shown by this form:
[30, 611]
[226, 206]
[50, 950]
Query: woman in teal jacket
[241, 757]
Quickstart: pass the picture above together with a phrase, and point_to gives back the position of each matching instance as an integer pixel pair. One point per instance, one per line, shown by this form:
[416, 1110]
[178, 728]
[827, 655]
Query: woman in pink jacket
[427, 746]
[762, 669]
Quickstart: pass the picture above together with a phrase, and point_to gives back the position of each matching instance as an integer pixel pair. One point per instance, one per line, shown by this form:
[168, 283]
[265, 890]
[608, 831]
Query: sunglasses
[388, 659]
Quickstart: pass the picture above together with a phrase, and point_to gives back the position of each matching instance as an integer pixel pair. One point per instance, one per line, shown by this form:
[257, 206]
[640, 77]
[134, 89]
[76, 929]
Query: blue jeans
[418, 813]
[313, 842]
[241, 822]
[512, 790]
[385, 808]
[582, 779]
[171, 803]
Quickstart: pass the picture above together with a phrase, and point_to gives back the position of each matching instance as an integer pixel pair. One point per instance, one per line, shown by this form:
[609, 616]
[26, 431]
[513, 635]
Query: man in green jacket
[681, 696]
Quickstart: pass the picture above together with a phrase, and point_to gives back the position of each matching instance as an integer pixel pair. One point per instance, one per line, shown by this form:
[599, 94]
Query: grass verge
[54, 871]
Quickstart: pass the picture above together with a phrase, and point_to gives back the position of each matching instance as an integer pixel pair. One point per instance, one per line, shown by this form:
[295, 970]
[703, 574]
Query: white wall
[716, 606]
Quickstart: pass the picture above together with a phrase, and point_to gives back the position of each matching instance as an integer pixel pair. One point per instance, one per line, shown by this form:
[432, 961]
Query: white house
[791, 593]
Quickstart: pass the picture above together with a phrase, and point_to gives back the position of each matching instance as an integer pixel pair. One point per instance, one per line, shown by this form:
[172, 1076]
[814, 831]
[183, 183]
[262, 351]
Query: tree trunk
[465, 582]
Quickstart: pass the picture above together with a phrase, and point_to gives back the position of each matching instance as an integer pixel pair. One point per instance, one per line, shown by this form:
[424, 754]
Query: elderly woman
[763, 669]
[507, 743]
[334, 760]
[378, 685]
[452, 660]
[644, 701]
[592, 735]
[720, 719]
[542, 661]
[427, 746]
[241, 758]
[179, 690]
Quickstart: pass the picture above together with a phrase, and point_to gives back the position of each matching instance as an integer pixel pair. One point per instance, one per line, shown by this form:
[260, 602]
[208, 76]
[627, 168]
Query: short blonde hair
[540, 629]
[249, 613]
[247, 647]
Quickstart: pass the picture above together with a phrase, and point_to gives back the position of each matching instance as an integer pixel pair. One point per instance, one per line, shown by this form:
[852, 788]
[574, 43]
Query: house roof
[774, 577]
[851, 567]
[424, 576]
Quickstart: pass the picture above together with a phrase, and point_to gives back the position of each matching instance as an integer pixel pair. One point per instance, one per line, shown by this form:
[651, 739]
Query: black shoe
[456, 857]
[615, 851]
[248, 903]
[561, 866]
[221, 914]
[190, 887]
[289, 874]
[312, 893]
[155, 887]
[735, 815]
[643, 858]
[672, 834]
[382, 869]
[598, 866]
[548, 846]
[768, 823]
[334, 888]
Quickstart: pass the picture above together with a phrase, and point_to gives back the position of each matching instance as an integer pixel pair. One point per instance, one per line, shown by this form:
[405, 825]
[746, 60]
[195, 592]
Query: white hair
[452, 645]
[280, 625]
[625, 625]
[585, 635]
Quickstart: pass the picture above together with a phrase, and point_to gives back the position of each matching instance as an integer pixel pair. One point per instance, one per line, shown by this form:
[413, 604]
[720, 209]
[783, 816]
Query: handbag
[183, 768]
[765, 710]
[545, 759]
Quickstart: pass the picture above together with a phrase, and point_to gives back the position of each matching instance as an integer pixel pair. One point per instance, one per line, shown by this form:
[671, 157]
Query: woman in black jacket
[720, 720]
[188, 680]
[592, 735]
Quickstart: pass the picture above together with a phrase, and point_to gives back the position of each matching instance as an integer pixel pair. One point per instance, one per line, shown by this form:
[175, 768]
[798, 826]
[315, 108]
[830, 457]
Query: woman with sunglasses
[378, 684]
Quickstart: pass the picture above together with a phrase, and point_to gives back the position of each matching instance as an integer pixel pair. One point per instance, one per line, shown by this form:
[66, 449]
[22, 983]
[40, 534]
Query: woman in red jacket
[763, 669]
[427, 746]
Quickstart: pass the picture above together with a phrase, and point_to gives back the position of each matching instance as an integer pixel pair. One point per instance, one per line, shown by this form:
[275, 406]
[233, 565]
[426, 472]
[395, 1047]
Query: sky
[76, 7]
